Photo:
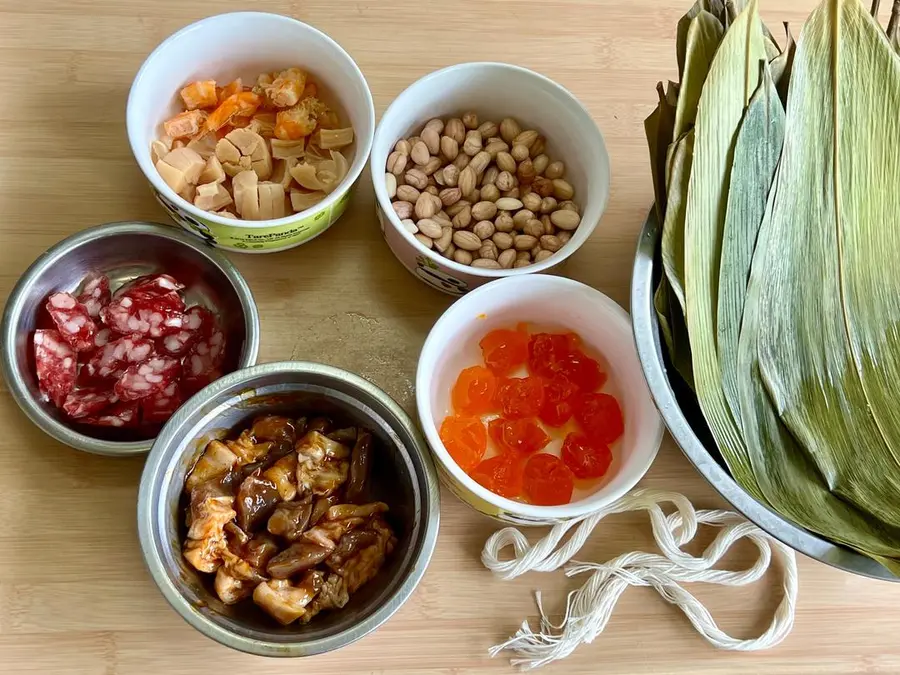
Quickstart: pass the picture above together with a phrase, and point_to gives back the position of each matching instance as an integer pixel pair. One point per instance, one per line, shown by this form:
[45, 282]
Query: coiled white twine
[589, 608]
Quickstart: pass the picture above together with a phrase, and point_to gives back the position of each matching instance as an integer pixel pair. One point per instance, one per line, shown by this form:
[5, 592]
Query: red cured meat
[102, 337]
[111, 360]
[72, 321]
[56, 365]
[151, 376]
[150, 286]
[197, 322]
[154, 317]
[88, 402]
[159, 407]
[94, 293]
[120, 415]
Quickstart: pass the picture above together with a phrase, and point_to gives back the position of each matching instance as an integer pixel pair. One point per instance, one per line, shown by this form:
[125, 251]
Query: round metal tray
[685, 422]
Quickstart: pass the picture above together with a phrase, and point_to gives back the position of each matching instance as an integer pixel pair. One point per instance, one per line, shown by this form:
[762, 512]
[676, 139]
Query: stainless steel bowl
[403, 476]
[122, 251]
[684, 419]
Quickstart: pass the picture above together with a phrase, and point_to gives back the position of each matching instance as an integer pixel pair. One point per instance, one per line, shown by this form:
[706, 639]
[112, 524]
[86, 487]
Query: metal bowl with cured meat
[399, 476]
[94, 356]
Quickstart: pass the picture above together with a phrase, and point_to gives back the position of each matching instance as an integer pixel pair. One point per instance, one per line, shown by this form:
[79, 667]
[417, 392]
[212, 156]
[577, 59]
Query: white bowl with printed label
[245, 44]
[545, 303]
[494, 91]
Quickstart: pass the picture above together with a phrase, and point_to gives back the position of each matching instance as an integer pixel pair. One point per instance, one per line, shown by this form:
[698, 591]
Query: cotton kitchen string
[589, 608]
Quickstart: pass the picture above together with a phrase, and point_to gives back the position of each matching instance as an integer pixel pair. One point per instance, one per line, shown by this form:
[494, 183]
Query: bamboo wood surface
[74, 595]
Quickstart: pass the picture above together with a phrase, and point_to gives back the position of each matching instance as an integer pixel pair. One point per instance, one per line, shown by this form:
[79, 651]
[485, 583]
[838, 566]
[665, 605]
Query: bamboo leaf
[673, 225]
[839, 146]
[714, 7]
[658, 128]
[732, 79]
[781, 65]
[756, 154]
[703, 38]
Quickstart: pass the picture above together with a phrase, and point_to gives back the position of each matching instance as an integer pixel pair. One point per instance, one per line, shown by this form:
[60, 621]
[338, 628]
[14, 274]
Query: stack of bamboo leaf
[777, 179]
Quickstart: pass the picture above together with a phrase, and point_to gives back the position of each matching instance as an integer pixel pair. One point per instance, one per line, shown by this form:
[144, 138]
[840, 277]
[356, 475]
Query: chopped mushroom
[271, 200]
[204, 145]
[246, 194]
[290, 519]
[359, 466]
[251, 144]
[333, 595]
[332, 139]
[285, 602]
[256, 499]
[281, 173]
[297, 557]
[288, 149]
[183, 161]
[213, 173]
[211, 197]
[300, 201]
[215, 461]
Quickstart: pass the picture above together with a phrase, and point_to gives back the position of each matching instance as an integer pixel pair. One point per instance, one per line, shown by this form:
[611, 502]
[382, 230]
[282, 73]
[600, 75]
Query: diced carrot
[185, 124]
[200, 94]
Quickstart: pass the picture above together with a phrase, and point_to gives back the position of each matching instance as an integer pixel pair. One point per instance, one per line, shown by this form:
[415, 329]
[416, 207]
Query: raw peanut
[531, 201]
[451, 175]
[403, 209]
[514, 193]
[461, 161]
[390, 184]
[409, 226]
[451, 249]
[541, 162]
[488, 250]
[412, 140]
[565, 219]
[542, 255]
[522, 217]
[490, 193]
[402, 146]
[525, 190]
[486, 263]
[432, 141]
[453, 209]
[484, 229]
[419, 153]
[562, 189]
[533, 227]
[437, 125]
[504, 222]
[438, 177]
[480, 162]
[474, 196]
[429, 228]
[432, 190]
[526, 138]
[495, 146]
[431, 166]
[555, 170]
[564, 237]
[484, 210]
[449, 196]
[425, 241]
[542, 186]
[509, 204]
[550, 243]
[521, 263]
[462, 257]
[537, 148]
[449, 147]
[431, 182]
[548, 205]
[467, 241]
[396, 163]
[470, 119]
[462, 219]
[505, 162]
[503, 240]
[425, 208]
[445, 241]
[505, 181]
[525, 172]
[488, 129]
[473, 144]
[523, 242]
[507, 259]
[535, 250]
[519, 153]
[442, 219]
[438, 204]
[569, 205]
[509, 129]
[455, 129]
[489, 177]
[523, 255]
[549, 228]
[467, 180]
[416, 178]
[408, 193]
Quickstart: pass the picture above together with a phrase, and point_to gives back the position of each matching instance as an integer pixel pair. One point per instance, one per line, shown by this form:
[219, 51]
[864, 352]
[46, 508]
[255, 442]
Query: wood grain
[74, 596]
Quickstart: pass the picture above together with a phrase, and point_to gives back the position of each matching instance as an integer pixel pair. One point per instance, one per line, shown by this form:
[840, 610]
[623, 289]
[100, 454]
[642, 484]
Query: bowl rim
[150, 173]
[649, 347]
[384, 201]
[601, 497]
[163, 456]
[11, 314]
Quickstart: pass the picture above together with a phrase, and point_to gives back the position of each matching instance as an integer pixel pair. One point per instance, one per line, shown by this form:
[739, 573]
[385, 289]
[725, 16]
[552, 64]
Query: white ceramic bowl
[245, 44]
[494, 91]
[547, 302]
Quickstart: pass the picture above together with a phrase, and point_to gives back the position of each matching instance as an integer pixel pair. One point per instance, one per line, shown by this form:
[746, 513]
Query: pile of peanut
[484, 194]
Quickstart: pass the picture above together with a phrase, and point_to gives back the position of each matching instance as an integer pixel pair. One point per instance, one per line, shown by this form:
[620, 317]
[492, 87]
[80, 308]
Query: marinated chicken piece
[363, 566]
[321, 464]
[236, 538]
[247, 449]
[213, 173]
[344, 511]
[256, 499]
[318, 447]
[205, 555]
[359, 466]
[349, 545]
[246, 194]
[297, 557]
[211, 197]
[215, 461]
[271, 200]
[284, 601]
[273, 428]
[211, 509]
[283, 474]
[333, 595]
[290, 519]
[328, 533]
[321, 424]
[250, 144]
[230, 589]
[345, 436]
[321, 506]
